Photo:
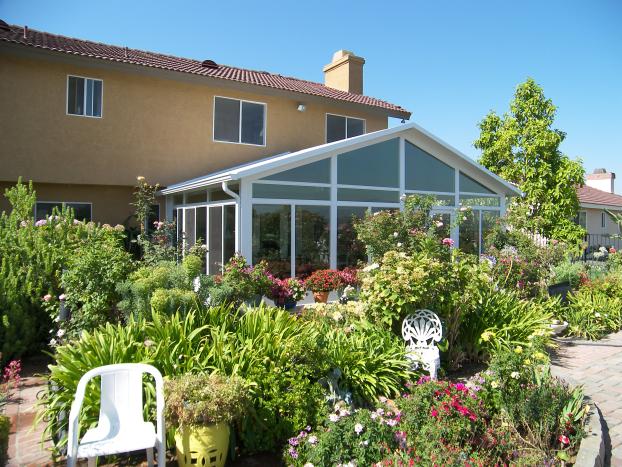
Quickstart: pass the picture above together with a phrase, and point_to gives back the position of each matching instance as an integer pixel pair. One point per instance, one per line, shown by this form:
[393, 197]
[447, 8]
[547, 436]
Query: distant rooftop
[68, 45]
[589, 195]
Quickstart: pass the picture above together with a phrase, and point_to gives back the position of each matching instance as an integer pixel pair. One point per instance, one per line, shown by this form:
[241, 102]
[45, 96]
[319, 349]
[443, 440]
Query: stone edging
[592, 448]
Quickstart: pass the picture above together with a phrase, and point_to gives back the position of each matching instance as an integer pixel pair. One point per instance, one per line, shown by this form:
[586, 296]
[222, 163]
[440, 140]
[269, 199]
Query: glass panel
[178, 199]
[97, 98]
[474, 200]
[89, 97]
[384, 208]
[468, 185]
[261, 190]
[252, 123]
[469, 232]
[375, 165]
[372, 196]
[335, 128]
[272, 237]
[350, 251]
[581, 219]
[81, 211]
[425, 172]
[219, 195]
[201, 225]
[44, 209]
[189, 229]
[356, 127]
[75, 96]
[312, 239]
[226, 120]
[215, 240]
[228, 247]
[489, 219]
[315, 172]
[196, 197]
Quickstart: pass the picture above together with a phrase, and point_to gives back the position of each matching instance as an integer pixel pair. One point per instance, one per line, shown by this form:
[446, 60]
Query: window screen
[375, 165]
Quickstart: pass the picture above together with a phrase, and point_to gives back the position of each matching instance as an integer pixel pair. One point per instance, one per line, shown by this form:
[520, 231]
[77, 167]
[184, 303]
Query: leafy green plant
[5, 427]
[197, 400]
[568, 271]
[591, 314]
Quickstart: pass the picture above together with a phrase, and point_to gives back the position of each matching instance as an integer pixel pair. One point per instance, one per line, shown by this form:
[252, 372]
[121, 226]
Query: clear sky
[449, 62]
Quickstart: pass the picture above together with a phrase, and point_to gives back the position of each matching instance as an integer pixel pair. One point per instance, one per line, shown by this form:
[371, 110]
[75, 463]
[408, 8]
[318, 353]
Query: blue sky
[449, 62]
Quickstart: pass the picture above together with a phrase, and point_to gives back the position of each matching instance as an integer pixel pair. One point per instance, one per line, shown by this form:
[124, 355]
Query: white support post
[246, 221]
[292, 237]
[333, 213]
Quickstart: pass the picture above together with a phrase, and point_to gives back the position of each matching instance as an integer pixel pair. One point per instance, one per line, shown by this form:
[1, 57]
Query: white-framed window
[239, 121]
[81, 210]
[84, 96]
[603, 220]
[340, 127]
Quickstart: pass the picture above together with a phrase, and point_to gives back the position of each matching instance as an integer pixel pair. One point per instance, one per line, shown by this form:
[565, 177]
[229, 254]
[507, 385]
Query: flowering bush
[10, 381]
[349, 277]
[357, 437]
[324, 280]
[246, 280]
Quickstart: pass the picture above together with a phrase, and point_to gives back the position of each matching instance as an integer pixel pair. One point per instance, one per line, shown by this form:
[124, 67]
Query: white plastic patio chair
[121, 426]
[421, 331]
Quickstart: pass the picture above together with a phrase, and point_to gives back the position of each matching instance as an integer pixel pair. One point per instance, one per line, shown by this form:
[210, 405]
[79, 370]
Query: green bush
[5, 426]
[568, 271]
[32, 258]
[591, 314]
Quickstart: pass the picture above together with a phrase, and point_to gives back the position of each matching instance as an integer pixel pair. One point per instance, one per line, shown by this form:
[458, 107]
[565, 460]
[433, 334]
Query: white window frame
[84, 103]
[63, 204]
[346, 117]
[239, 141]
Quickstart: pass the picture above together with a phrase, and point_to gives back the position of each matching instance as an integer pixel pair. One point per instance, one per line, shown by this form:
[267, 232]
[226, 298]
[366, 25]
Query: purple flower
[41, 223]
[292, 452]
[308, 428]
[293, 441]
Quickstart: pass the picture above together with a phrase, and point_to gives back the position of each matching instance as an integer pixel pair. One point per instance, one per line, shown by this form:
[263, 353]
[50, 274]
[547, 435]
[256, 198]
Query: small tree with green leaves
[144, 198]
[523, 147]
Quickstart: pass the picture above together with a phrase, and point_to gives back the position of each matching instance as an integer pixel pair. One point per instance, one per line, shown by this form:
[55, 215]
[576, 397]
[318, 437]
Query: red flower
[434, 413]
[564, 439]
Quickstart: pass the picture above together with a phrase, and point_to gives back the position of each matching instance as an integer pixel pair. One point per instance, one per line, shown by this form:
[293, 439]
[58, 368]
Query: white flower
[53, 342]
[358, 428]
[60, 333]
[439, 224]
[371, 267]
[374, 415]
[597, 314]
[515, 374]
[382, 399]
[312, 439]
[333, 417]
[395, 234]
[197, 284]
[399, 244]
[463, 208]
[308, 464]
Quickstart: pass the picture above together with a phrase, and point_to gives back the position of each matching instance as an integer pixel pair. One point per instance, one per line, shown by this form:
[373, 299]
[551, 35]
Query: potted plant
[201, 407]
[349, 284]
[250, 283]
[321, 282]
[286, 292]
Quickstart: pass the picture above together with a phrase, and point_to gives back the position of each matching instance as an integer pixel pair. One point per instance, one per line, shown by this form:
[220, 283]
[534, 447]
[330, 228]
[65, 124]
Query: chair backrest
[422, 329]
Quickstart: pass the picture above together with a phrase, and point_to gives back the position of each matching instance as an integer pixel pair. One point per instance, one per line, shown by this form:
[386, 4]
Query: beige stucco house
[597, 197]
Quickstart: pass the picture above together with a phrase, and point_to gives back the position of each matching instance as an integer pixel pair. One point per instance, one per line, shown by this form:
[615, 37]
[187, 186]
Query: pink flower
[612, 250]
[47, 297]
[564, 439]
[62, 296]
[434, 413]
[41, 223]
[448, 242]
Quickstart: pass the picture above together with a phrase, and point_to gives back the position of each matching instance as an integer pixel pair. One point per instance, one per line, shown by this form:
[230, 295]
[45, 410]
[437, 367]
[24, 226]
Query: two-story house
[271, 166]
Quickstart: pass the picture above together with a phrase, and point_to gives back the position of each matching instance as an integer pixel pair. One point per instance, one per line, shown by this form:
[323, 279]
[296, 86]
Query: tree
[523, 147]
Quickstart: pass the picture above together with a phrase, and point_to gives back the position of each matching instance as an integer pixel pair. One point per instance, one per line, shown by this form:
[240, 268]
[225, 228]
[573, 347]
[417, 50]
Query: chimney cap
[600, 171]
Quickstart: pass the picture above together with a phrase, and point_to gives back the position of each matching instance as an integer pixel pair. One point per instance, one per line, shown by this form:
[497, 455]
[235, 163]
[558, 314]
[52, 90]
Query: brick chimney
[345, 72]
[602, 180]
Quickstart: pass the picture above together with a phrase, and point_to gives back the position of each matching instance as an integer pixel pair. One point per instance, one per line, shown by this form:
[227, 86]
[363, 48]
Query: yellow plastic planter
[202, 446]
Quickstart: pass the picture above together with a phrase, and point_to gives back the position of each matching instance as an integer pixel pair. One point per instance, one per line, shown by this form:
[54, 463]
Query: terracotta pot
[320, 297]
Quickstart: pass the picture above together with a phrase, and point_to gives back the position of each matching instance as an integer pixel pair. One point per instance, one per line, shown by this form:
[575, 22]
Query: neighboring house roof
[591, 197]
[68, 45]
[317, 152]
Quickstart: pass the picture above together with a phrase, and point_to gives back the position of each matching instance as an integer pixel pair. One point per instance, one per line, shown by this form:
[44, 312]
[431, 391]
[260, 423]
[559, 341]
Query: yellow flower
[527, 362]
[518, 349]
[586, 408]
[494, 384]
[539, 356]
[486, 335]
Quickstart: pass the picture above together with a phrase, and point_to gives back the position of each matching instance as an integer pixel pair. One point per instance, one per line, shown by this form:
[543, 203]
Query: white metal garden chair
[121, 426]
[421, 331]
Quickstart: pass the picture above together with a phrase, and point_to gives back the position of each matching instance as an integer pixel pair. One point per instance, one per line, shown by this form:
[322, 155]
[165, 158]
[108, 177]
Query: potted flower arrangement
[286, 292]
[349, 284]
[249, 282]
[321, 282]
[201, 407]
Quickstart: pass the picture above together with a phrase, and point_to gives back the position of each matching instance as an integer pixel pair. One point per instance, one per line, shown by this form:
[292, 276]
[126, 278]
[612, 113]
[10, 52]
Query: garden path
[596, 365]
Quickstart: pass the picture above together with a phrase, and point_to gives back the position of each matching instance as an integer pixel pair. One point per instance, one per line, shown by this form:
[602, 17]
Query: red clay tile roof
[589, 195]
[100, 51]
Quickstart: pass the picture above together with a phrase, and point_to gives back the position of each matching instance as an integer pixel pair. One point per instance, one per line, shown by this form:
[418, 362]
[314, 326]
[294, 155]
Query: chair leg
[92, 461]
[150, 457]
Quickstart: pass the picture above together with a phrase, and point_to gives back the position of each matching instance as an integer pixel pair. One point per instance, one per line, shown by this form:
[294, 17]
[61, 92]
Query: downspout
[238, 213]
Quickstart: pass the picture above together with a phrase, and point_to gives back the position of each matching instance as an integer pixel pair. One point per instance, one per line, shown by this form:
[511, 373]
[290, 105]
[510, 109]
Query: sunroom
[296, 210]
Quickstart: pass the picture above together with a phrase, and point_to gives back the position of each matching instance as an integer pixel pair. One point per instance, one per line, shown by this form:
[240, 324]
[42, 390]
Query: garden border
[592, 451]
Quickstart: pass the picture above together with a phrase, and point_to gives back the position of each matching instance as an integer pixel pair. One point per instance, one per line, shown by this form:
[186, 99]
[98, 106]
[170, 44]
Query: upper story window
[339, 127]
[81, 211]
[581, 219]
[84, 96]
[237, 121]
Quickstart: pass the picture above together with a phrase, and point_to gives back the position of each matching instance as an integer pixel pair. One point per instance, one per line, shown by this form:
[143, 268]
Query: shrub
[197, 400]
[5, 427]
[572, 272]
[592, 313]
[283, 290]
[323, 280]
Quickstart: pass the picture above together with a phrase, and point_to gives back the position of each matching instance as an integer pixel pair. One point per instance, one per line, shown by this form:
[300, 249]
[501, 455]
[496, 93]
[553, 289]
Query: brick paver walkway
[597, 366]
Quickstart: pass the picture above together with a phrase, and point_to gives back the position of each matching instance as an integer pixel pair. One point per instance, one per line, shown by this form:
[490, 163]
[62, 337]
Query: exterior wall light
[302, 107]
